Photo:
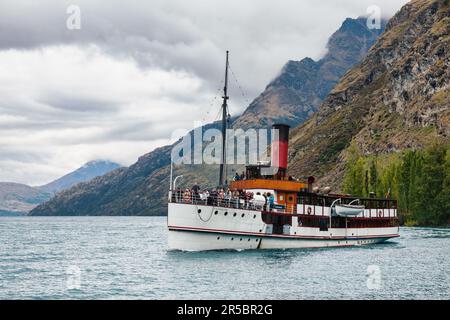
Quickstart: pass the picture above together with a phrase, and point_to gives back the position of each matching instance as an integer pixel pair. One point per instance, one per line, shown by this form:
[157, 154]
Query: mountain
[397, 98]
[90, 170]
[18, 199]
[297, 92]
[142, 188]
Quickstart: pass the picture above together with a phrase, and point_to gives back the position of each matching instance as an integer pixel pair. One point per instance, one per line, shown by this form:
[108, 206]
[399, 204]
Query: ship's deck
[279, 217]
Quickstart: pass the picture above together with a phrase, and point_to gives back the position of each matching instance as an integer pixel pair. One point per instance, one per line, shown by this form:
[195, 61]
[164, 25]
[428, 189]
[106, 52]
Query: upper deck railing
[385, 210]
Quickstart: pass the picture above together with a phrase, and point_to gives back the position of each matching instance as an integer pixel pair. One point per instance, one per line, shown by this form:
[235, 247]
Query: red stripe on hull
[279, 235]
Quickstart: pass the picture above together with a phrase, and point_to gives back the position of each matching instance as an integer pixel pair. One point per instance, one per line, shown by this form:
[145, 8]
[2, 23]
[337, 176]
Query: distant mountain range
[19, 199]
[291, 97]
[90, 170]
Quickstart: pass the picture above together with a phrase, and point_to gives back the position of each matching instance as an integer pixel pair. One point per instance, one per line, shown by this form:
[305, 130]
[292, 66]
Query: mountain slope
[296, 93]
[397, 98]
[87, 172]
[18, 198]
[142, 188]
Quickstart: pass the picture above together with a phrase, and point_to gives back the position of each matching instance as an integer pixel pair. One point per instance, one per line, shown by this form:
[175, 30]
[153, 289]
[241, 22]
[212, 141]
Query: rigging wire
[244, 95]
[213, 102]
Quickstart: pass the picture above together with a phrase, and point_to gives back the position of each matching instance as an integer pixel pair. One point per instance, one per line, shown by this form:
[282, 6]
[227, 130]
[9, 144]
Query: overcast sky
[137, 71]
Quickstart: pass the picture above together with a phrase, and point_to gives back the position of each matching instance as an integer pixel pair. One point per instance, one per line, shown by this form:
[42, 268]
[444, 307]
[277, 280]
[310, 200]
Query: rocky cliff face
[292, 97]
[397, 98]
[297, 92]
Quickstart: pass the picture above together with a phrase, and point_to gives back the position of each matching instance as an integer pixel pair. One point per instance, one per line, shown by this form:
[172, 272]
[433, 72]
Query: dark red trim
[260, 234]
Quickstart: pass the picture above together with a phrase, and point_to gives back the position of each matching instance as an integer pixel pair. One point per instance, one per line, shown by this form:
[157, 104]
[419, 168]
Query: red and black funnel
[280, 145]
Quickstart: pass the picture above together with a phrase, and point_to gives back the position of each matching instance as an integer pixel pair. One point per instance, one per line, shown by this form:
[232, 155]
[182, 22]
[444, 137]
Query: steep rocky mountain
[297, 92]
[88, 171]
[142, 188]
[397, 98]
[18, 199]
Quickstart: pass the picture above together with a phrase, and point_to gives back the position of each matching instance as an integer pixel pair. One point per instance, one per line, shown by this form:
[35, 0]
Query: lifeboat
[348, 210]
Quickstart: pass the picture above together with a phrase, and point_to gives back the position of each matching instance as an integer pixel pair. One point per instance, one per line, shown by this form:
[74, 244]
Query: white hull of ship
[199, 228]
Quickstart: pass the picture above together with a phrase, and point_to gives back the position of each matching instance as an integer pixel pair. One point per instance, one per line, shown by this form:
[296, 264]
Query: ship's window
[249, 239]
[232, 238]
[254, 216]
[234, 214]
[242, 215]
[199, 210]
[240, 239]
[225, 213]
[218, 238]
[216, 212]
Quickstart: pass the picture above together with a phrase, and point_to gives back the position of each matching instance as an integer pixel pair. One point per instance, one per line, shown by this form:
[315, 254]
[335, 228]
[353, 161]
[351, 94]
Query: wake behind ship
[265, 208]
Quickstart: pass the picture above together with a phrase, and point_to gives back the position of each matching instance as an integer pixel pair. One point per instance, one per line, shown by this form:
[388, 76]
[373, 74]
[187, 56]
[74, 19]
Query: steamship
[299, 216]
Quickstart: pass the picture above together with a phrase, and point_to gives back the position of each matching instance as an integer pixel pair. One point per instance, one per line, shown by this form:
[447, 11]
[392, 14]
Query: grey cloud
[72, 103]
[56, 120]
[189, 35]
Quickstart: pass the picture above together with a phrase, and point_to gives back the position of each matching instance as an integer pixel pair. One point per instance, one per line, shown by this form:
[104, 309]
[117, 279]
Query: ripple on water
[127, 258]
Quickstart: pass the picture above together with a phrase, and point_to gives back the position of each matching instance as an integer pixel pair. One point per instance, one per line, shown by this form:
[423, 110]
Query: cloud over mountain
[120, 85]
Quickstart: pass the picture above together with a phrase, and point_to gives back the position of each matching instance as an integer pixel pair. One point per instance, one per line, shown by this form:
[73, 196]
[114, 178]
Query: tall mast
[222, 175]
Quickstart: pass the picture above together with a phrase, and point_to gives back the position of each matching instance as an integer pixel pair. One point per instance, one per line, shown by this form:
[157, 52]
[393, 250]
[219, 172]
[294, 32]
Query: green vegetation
[418, 179]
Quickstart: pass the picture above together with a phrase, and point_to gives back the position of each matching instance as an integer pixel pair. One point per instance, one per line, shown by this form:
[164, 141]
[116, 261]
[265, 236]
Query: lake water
[127, 258]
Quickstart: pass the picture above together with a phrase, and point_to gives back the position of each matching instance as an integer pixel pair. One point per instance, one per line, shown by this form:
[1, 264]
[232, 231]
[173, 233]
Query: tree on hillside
[429, 206]
[373, 175]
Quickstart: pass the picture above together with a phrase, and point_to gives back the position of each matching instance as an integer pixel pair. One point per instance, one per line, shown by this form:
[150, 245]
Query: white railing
[250, 204]
[226, 202]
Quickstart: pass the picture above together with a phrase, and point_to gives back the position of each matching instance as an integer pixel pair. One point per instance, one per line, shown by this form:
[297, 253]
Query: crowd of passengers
[224, 197]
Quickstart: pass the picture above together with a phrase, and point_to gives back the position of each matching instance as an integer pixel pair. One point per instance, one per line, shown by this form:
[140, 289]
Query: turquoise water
[126, 258]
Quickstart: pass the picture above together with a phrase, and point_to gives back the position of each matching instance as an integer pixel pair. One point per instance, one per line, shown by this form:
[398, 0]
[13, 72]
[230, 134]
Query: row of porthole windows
[226, 213]
[240, 239]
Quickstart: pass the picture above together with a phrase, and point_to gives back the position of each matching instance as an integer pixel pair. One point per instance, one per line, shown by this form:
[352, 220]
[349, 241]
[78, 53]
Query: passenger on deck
[241, 197]
[228, 196]
[220, 197]
[271, 200]
[248, 198]
[265, 201]
[212, 200]
[187, 196]
[204, 196]
[235, 198]
[195, 192]
[236, 177]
